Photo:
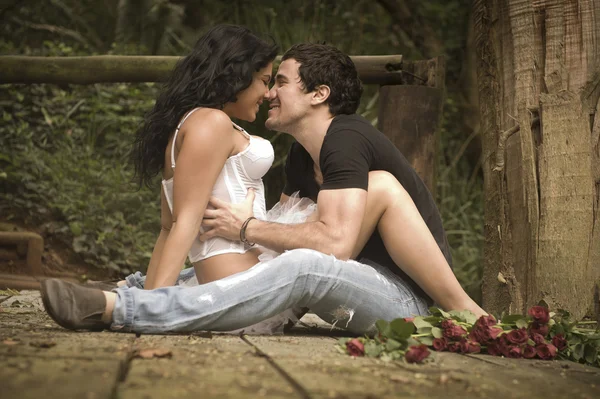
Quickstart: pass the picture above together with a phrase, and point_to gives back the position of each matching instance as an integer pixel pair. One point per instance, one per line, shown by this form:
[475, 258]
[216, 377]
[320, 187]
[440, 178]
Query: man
[314, 98]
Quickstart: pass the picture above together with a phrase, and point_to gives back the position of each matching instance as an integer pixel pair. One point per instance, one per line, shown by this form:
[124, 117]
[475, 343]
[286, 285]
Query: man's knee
[306, 260]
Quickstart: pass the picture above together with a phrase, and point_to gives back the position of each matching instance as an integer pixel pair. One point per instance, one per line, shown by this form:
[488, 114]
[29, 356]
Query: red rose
[484, 334]
[486, 321]
[539, 314]
[538, 338]
[493, 349]
[536, 328]
[467, 346]
[529, 352]
[519, 336]
[503, 346]
[454, 347]
[447, 324]
[355, 347]
[514, 352]
[546, 351]
[416, 354]
[559, 341]
[440, 344]
[454, 332]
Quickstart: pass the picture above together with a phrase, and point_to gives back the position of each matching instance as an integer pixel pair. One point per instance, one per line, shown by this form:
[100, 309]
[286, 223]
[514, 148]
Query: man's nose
[270, 94]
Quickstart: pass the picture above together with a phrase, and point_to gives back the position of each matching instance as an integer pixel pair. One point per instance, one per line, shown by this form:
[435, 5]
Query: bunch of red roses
[540, 334]
[488, 336]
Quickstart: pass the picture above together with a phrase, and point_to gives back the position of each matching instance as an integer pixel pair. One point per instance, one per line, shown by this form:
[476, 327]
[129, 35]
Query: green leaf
[401, 329]
[512, 318]
[392, 345]
[343, 341]
[470, 316]
[590, 353]
[424, 330]
[426, 340]
[382, 326]
[522, 323]
[373, 349]
[439, 312]
[437, 332]
[47, 116]
[574, 340]
[75, 228]
[559, 329]
[578, 352]
[433, 320]
[464, 316]
[420, 322]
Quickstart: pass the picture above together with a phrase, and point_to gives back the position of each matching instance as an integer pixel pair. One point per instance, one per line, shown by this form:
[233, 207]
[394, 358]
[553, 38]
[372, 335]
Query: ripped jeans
[348, 294]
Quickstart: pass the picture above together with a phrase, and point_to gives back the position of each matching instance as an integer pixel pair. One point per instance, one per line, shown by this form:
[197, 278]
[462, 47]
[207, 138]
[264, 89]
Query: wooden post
[34, 247]
[410, 115]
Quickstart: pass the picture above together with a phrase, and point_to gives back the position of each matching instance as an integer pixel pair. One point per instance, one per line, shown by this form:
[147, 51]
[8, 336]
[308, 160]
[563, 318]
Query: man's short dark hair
[321, 64]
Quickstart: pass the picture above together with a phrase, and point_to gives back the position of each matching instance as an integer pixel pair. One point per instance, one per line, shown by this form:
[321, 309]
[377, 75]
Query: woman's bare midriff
[220, 266]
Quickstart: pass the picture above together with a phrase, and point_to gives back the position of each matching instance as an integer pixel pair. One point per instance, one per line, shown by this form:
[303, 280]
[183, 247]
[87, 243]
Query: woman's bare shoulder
[208, 119]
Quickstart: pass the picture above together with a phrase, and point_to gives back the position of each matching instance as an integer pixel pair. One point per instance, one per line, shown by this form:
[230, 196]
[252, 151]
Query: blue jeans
[347, 294]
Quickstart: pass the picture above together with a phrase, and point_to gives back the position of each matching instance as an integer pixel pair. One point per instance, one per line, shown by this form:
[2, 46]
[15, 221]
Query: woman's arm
[166, 221]
[206, 145]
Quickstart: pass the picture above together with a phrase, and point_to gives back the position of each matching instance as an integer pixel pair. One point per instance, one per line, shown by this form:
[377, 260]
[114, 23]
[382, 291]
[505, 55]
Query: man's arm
[340, 217]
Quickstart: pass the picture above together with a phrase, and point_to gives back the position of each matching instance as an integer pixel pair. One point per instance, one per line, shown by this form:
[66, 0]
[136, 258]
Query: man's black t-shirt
[351, 149]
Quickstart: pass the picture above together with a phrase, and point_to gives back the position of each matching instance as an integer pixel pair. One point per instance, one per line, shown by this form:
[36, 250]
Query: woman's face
[249, 100]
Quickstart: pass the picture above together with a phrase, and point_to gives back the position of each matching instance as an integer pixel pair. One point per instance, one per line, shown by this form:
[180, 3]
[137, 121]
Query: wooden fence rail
[385, 69]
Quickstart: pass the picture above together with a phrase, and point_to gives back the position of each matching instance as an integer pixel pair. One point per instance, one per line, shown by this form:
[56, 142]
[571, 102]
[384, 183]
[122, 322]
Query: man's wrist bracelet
[243, 232]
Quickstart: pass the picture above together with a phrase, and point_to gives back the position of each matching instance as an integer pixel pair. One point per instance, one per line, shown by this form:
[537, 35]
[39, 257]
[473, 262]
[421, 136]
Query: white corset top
[241, 171]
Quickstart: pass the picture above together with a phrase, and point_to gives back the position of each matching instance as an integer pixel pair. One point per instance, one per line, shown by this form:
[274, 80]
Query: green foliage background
[63, 150]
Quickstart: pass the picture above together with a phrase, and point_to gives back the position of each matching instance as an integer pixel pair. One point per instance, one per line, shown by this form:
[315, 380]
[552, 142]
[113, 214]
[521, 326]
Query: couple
[371, 207]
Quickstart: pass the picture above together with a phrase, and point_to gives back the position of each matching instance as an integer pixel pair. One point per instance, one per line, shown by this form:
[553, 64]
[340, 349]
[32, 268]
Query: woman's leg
[409, 242]
[347, 292]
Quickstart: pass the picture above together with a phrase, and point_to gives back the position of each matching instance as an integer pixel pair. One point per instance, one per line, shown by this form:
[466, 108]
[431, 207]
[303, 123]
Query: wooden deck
[40, 359]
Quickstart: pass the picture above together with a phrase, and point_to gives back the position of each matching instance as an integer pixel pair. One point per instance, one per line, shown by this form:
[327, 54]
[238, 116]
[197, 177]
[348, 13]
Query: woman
[189, 136]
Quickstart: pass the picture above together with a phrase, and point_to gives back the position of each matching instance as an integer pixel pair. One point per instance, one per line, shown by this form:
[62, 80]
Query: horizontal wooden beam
[381, 70]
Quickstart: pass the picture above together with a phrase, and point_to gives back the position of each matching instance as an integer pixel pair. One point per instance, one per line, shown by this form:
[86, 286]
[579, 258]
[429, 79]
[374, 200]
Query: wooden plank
[39, 358]
[219, 367]
[30, 377]
[410, 117]
[326, 373]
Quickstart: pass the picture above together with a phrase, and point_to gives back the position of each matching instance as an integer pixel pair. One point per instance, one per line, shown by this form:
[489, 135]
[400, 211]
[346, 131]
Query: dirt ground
[40, 359]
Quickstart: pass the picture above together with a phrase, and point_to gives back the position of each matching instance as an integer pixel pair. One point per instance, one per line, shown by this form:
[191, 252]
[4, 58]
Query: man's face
[289, 102]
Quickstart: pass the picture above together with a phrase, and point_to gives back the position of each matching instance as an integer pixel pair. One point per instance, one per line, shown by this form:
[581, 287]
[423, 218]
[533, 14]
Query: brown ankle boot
[73, 306]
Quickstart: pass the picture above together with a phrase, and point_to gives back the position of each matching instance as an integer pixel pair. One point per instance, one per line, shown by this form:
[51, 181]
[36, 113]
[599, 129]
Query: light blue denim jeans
[347, 294]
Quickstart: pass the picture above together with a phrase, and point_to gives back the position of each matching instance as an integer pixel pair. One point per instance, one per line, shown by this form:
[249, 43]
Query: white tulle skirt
[294, 210]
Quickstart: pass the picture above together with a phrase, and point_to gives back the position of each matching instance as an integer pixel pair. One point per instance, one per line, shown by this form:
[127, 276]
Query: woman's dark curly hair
[321, 64]
[221, 64]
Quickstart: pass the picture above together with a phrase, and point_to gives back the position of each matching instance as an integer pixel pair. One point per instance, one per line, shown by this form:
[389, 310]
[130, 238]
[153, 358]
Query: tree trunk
[539, 79]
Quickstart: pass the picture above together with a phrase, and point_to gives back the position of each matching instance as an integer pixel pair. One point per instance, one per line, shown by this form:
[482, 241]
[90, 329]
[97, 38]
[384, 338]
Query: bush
[63, 162]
